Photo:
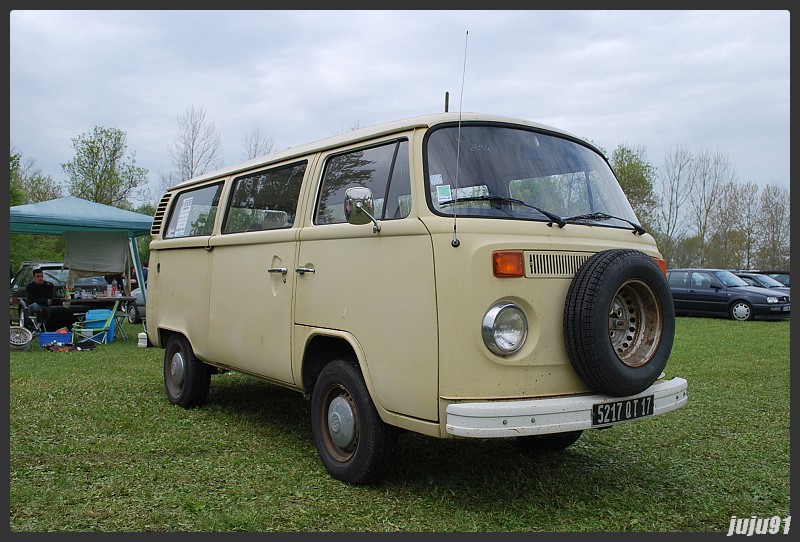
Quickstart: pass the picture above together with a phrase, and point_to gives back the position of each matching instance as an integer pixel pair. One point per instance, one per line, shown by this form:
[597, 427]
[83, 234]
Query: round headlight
[505, 328]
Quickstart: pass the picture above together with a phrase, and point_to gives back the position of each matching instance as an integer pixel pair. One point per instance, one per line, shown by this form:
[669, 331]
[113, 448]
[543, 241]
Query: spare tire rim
[635, 323]
[20, 336]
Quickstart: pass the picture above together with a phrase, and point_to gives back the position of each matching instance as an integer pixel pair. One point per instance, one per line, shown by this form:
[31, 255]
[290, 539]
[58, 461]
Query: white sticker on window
[436, 180]
[443, 193]
[183, 217]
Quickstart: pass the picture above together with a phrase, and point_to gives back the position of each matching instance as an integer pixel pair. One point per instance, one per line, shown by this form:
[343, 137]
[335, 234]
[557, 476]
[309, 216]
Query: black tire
[549, 443]
[21, 338]
[133, 313]
[355, 445]
[619, 322]
[186, 378]
[741, 311]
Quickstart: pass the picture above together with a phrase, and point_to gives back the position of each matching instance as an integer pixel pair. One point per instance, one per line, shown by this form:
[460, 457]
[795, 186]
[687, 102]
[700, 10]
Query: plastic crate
[48, 337]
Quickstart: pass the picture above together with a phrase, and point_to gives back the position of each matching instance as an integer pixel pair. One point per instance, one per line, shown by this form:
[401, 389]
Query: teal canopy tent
[70, 215]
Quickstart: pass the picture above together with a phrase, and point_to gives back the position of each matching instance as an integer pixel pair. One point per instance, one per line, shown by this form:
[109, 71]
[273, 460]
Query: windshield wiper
[499, 199]
[603, 216]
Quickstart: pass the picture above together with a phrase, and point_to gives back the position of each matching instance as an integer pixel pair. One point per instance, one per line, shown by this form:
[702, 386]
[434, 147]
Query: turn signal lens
[662, 264]
[508, 263]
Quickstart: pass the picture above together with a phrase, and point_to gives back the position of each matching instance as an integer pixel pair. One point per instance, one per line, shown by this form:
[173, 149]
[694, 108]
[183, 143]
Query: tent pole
[138, 266]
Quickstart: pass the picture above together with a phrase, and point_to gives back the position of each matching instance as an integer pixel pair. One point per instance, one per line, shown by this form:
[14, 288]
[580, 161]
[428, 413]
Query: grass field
[96, 446]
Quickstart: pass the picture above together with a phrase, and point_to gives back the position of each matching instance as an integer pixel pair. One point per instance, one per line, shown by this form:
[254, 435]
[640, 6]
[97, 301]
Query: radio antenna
[455, 242]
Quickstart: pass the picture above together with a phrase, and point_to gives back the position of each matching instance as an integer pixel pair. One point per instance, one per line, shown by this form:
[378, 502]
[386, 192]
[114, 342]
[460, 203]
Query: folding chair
[98, 327]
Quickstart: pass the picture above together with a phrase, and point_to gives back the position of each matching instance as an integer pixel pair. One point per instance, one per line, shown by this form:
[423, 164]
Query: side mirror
[359, 207]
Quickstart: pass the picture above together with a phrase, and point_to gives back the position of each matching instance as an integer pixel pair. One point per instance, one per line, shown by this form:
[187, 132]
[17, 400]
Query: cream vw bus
[457, 275]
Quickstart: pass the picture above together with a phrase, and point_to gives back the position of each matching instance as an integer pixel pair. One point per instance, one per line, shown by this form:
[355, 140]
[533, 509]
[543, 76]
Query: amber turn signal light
[508, 263]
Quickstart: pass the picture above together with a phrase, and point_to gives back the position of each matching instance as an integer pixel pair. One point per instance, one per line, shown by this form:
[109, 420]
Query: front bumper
[498, 419]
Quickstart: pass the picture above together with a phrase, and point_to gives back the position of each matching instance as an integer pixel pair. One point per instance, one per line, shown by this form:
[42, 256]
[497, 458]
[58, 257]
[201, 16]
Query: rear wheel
[355, 445]
[186, 378]
[741, 310]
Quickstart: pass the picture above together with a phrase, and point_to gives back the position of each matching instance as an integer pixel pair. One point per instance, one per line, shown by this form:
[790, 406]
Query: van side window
[194, 212]
[266, 200]
[383, 169]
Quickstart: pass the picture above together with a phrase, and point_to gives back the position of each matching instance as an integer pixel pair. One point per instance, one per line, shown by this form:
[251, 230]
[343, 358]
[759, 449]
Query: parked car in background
[716, 292]
[762, 280]
[780, 276]
[137, 311]
[55, 273]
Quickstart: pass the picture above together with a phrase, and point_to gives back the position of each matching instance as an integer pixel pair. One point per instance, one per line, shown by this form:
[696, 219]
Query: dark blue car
[716, 292]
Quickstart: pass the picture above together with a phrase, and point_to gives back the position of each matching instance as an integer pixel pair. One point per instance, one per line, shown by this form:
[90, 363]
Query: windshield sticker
[437, 179]
[443, 193]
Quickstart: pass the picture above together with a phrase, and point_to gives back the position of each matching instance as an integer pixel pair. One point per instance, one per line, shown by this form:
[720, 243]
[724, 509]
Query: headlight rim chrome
[488, 331]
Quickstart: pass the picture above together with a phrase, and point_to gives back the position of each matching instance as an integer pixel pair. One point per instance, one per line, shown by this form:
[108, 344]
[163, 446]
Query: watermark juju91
[756, 525]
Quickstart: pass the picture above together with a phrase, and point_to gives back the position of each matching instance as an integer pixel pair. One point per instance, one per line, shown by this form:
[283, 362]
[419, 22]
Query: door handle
[304, 270]
[281, 270]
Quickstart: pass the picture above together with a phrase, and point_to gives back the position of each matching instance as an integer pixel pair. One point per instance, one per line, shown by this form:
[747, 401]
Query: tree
[773, 228]
[711, 172]
[675, 184]
[727, 234]
[27, 182]
[750, 219]
[636, 176]
[256, 143]
[100, 171]
[197, 146]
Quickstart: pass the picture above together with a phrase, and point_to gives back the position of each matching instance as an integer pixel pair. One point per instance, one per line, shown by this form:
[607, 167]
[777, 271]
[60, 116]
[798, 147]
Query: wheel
[21, 338]
[355, 445]
[186, 378]
[133, 313]
[549, 442]
[619, 322]
[741, 310]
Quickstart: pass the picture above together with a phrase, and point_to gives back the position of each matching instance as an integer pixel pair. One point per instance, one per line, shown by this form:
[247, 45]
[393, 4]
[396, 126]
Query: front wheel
[355, 445]
[186, 378]
[741, 311]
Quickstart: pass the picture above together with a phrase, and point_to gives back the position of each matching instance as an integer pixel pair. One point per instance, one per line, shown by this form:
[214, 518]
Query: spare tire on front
[619, 322]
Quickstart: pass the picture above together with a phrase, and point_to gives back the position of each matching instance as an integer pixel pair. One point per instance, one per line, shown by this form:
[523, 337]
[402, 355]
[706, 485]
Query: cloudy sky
[706, 80]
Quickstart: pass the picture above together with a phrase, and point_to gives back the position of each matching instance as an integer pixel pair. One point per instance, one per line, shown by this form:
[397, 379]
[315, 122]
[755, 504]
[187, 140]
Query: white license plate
[620, 411]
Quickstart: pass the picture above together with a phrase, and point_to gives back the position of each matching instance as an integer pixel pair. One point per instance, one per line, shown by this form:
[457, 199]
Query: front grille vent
[554, 264]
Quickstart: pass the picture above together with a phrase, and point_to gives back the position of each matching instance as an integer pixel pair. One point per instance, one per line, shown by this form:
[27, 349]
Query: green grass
[96, 446]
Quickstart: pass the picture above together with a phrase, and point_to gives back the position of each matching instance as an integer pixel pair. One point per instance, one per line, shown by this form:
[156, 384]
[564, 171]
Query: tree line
[693, 204]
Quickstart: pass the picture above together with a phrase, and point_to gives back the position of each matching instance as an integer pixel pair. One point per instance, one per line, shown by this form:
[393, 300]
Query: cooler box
[48, 337]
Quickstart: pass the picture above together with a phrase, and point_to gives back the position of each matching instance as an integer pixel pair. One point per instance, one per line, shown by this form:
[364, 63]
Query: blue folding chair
[98, 327]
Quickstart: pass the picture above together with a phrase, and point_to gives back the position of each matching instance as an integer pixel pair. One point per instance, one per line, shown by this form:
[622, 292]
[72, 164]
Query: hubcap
[341, 422]
[635, 323]
[741, 311]
[176, 369]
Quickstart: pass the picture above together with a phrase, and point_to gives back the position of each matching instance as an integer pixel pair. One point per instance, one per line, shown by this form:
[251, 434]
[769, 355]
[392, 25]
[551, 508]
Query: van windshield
[500, 171]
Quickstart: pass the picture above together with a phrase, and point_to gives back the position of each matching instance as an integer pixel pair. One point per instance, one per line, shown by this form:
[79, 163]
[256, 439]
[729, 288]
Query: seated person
[39, 296]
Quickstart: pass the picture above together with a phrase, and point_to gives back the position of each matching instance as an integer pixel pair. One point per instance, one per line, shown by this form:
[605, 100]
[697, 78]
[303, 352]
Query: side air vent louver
[554, 264]
[158, 217]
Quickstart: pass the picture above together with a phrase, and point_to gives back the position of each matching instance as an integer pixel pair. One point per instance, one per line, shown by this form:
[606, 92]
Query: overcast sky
[707, 80]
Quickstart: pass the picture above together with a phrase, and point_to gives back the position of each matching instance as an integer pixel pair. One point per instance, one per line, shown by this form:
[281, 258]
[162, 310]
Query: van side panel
[179, 308]
[250, 308]
[379, 288]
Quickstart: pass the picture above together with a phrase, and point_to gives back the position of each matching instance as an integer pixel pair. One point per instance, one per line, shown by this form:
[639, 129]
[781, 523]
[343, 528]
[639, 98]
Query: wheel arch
[323, 346]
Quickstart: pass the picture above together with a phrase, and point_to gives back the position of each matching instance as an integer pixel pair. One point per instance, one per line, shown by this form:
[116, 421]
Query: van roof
[363, 134]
